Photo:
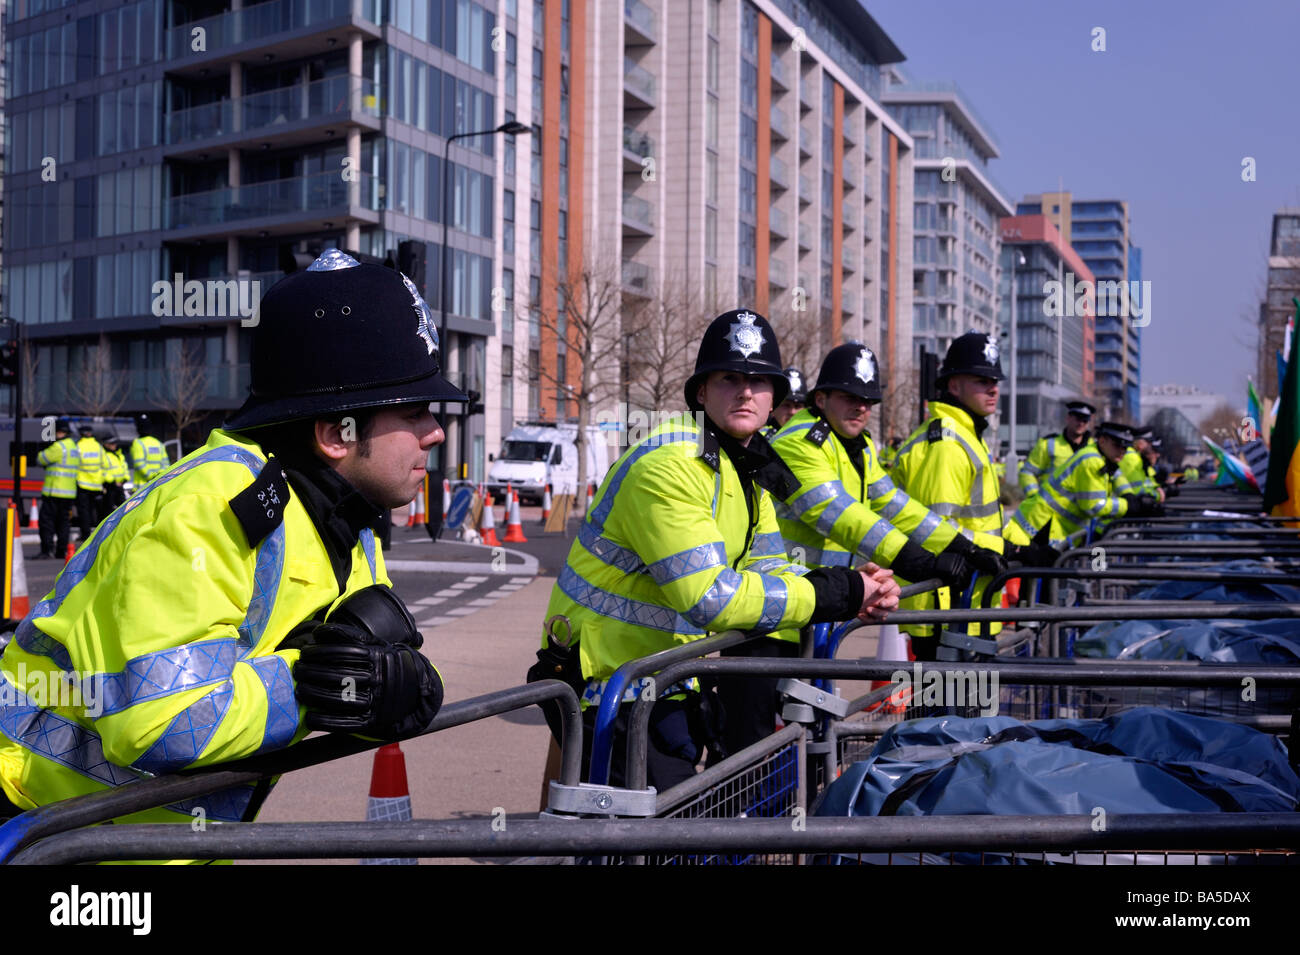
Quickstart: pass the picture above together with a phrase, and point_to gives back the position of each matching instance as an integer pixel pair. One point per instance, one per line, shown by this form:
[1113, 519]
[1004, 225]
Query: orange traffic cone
[487, 527]
[390, 797]
[546, 504]
[72, 549]
[19, 606]
[891, 646]
[417, 507]
[35, 519]
[446, 500]
[514, 527]
[591, 496]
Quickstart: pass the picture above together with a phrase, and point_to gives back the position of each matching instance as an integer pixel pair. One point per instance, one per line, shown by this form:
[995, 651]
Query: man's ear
[330, 441]
[819, 400]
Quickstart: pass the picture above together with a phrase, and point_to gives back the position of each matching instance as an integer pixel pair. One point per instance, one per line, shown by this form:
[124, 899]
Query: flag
[1254, 409]
[1232, 470]
[1283, 497]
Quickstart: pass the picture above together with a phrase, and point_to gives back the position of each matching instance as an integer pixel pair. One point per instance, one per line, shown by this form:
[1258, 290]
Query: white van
[537, 454]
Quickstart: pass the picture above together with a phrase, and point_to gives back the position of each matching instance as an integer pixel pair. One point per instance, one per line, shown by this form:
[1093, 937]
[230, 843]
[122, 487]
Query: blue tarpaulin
[1141, 761]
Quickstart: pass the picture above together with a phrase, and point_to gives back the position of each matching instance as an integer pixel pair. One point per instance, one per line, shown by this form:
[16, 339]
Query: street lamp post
[1013, 462]
[512, 128]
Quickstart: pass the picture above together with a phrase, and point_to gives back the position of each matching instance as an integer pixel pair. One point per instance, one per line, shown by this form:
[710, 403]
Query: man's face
[785, 411]
[847, 413]
[737, 403]
[1143, 447]
[1110, 449]
[388, 466]
[1075, 426]
[976, 393]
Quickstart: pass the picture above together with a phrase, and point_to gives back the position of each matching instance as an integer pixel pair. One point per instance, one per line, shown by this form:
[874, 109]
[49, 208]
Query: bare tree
[798, 327]
[94, 388]
[184, 386]
[31, 368]
[662, 337]
[588, 318]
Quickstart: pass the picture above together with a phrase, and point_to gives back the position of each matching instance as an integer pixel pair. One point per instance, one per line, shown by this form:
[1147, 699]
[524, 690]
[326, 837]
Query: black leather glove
[361, 671]
[914, 564]
[1143, 506]
[1037, 553]
[988, 562]
[1172, 490]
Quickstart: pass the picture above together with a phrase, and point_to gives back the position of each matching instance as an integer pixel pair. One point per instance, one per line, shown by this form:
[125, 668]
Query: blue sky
[1162, 119]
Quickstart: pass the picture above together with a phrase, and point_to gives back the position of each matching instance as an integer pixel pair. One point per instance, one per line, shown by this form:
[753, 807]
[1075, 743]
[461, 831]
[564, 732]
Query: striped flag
[1283, 496]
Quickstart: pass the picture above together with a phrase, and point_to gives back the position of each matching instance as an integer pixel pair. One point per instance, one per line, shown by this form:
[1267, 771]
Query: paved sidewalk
[463, 772]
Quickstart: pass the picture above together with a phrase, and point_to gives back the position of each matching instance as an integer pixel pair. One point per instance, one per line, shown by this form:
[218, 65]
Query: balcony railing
[261, 20]
[638, 212]
[331, 96]
[780, 75]
[808, 94]
[848, 304]
[946, 293]
[849, 258]
[316, 193]
[778, 222]
[780, 172]
[805, 189]
[780, 123]
[641, 17]
[638, 278]
[637, 142]
[778, 273]
[639, 80]
[806, 140]
[805, 236]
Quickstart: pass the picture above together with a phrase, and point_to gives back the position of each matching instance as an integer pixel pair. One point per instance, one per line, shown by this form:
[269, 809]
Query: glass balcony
[849, 258]
[304, 194]
[848, 304]
[805, 189]
[806, 140]
[805, 236]
[637, 143]
[780, 173]
[263, 20]
[638, 213]
[332, 96]
[640, 19]
[780, 76]
[638, 279]
[639, 82]
[946, 293]
[808, 94]
[778, 273]
[780, 123]
[778, 222]
[848, 213]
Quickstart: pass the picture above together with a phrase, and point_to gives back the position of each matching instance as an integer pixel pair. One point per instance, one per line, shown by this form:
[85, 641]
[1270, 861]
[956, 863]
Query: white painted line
[435, 621]
[461, 611]
[521, 580]
[481, 602]
[430, 601]
[529, 565]
[509, 588]
[444, 594]
[475, 580]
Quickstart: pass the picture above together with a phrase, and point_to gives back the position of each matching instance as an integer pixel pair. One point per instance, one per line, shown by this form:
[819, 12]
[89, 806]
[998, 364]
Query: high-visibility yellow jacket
[148, 459]
[841, 516]
[1085, 489]
[668, 553]
[114, 467]
[170, 621]
[946, 466]
[1132, 477]
[60, 461]
[1048, 453]
[90, 461]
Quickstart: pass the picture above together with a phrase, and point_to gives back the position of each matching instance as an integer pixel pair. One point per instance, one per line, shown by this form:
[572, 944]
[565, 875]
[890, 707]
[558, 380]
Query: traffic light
[475, 404]
[10, 356]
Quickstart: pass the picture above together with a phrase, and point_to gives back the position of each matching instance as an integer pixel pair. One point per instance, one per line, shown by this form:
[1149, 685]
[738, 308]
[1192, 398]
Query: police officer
[945, 464]
[846, 509]
[1052, 450]
[1135, 478]
[1086, 488]
[59, 490]
[115, 477]
[682, 541]
[148, 459]
[90, 481]
[793, 403]
[245, 584]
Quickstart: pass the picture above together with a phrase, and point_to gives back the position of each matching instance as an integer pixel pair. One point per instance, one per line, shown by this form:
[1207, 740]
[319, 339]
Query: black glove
[1143, 506]
[914, 563]
[986, 561]
[361, 671]
[1037, 553]
[837, 592]
[1172, 490]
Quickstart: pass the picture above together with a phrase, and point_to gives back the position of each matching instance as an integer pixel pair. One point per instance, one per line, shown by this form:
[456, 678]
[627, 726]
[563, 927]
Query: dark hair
[295, 438]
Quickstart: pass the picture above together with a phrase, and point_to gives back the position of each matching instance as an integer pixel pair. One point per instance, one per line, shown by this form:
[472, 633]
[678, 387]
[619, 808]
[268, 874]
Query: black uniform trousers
[55, 518]
[87, 511]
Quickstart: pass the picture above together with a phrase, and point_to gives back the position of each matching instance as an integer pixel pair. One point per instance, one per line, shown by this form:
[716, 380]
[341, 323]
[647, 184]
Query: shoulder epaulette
[259, 508]
[819, 432]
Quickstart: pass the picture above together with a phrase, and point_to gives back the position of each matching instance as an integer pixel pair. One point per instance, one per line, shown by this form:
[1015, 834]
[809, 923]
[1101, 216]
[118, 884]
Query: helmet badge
[990, 351]
[745, 337]
[865, 367]
[424, 317]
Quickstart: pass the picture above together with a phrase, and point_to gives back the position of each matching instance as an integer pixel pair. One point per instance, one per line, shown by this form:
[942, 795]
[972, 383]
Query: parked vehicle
[534, 455]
